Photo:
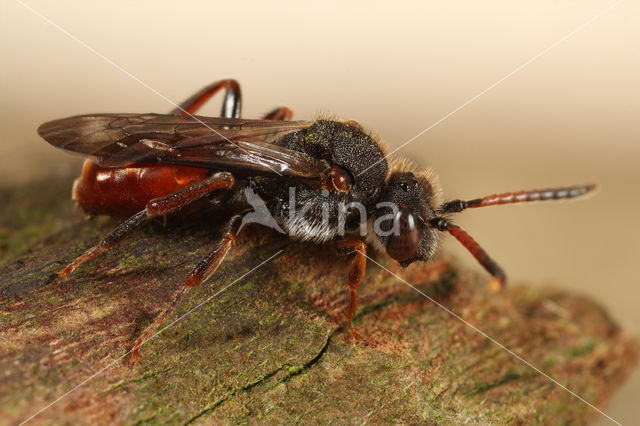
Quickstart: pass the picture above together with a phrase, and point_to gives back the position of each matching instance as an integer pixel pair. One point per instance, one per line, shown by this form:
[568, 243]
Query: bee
[319, 181]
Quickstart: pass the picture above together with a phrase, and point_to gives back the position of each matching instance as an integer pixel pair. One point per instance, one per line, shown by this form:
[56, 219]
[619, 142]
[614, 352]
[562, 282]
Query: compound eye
[403, 243]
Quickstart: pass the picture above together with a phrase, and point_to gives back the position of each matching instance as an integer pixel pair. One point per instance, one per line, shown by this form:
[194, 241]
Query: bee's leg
[280, 113]
[157, 207]
[199, 274]
[231, 107]
[356, 273]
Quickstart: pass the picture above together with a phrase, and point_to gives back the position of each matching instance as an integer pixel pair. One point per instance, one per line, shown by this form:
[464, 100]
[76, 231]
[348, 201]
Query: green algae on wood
[273, 347]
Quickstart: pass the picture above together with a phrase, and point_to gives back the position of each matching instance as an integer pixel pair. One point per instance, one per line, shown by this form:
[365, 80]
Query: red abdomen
[124, 191]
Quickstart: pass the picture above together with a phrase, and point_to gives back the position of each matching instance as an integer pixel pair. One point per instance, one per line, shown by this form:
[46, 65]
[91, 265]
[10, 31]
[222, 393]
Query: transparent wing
[238, 145]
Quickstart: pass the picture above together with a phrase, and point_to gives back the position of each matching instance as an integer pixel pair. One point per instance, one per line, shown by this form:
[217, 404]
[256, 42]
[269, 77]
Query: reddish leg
[356, 273]
[155, 208]
[280, 113]
[231, 106]
[335, 178]
[198, 275]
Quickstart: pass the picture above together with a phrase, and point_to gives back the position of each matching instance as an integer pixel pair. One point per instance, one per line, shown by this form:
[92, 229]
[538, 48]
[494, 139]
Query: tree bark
[271, 343]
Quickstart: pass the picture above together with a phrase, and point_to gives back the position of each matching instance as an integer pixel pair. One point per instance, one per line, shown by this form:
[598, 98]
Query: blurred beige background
[569, 117]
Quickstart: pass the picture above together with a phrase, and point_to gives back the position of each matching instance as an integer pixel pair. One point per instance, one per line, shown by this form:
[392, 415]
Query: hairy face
[405, 206]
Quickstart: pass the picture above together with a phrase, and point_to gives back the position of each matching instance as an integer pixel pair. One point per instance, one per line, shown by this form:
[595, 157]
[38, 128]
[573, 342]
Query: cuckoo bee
[143, 166]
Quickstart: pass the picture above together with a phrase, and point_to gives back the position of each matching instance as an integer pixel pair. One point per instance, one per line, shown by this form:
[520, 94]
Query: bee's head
[405, 207]
[409, 215]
